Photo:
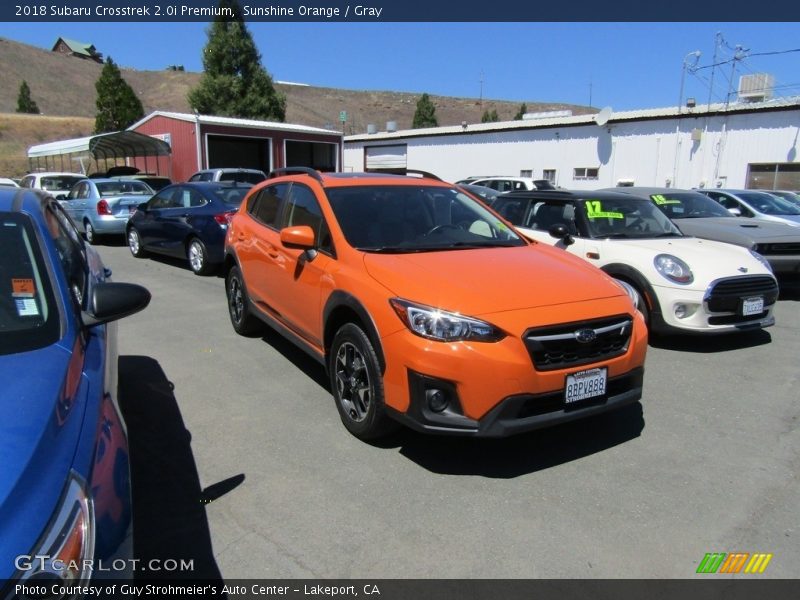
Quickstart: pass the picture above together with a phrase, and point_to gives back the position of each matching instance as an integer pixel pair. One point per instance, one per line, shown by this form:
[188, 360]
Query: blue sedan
[65, 496]
[186, 220]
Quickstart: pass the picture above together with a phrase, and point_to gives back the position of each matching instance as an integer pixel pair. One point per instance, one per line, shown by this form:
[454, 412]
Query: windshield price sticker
[594, 210]
[659, 199]
[586, 384]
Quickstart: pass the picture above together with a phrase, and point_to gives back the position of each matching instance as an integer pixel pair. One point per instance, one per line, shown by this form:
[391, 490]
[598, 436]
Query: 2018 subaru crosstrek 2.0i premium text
[427, 308]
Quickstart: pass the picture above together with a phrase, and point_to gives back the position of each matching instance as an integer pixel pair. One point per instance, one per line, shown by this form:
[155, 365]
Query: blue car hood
[38, 439]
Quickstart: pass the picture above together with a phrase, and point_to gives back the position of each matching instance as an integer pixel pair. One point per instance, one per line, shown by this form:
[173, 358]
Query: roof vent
[391, 126]
[371, 128]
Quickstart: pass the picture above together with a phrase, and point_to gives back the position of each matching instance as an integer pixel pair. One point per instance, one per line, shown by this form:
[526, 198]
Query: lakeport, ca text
[41, 590]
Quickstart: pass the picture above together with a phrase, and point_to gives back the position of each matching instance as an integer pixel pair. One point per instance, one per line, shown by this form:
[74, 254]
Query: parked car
[56, 183]
[156, 182]
[486, 194]
[757, 205]
[230, 174]
[103, 206]
[186, 220]
[686, 284]
[506, 183]
[427, 308]
[65, 486]
[8, 183]
[698, 215]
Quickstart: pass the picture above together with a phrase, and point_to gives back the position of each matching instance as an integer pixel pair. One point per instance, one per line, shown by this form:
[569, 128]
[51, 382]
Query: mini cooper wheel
[135, 243]
[197, 255]
[244, 323]
[357, 384]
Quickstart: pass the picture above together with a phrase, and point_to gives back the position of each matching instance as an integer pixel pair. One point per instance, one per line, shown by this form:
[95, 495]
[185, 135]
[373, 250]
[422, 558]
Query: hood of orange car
[491, 280]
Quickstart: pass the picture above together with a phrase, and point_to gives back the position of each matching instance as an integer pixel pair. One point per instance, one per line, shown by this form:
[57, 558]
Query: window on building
[773, 176]
[586, 173]
[526, 173]
[549, 175]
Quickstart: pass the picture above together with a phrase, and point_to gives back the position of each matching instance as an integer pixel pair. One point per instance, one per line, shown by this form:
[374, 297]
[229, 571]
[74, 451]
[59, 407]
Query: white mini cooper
[681, 284]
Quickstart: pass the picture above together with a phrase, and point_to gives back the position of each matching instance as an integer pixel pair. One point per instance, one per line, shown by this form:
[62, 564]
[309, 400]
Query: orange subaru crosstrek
[427, 308]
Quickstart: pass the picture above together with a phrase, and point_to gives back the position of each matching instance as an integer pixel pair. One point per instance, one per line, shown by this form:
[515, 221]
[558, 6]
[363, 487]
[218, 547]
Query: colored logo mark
[734, 562]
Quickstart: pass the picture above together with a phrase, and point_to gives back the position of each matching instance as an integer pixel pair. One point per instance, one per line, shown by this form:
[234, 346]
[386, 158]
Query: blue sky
[622, 65]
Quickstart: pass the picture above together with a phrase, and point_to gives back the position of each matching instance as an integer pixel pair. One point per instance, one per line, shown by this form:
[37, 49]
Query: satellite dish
[603, 116]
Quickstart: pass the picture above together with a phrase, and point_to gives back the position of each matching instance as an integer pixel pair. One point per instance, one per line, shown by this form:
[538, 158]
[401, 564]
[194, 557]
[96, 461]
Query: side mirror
[735, 212]
[559, 231]
[300, 237]
[110, 301]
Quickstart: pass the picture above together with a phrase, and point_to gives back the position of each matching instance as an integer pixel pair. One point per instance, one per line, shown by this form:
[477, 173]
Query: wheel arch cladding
[342, 308]
[635, 278]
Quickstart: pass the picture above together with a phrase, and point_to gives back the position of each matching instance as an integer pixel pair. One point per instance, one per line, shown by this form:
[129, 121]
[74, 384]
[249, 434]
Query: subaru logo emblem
[743, 269]
[584, 336]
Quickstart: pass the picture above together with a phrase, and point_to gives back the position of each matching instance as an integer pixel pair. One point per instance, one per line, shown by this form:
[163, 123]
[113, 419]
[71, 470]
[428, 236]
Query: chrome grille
[560, 346]
[782, 249]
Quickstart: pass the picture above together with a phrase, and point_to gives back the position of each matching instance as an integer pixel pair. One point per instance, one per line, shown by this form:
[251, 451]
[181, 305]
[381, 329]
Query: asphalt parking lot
[240, 461]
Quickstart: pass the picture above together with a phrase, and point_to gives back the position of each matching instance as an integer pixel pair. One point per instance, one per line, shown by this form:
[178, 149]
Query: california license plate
[752, 306]
[585, 384]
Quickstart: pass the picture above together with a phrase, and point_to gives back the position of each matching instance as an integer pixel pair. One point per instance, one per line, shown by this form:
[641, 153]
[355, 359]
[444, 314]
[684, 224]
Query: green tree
[117, 103]
[234, 83]
[523, 108]
[489, 117]
[25, 103]
[425, 115]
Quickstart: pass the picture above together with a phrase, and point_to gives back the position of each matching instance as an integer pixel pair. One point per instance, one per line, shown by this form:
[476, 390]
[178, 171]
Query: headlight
[67, 543]
[630, 290]
[443, 326]
[673, 268]
[762, 260]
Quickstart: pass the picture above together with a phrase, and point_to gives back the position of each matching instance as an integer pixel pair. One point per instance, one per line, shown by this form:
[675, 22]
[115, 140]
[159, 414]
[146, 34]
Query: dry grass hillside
[64, 86]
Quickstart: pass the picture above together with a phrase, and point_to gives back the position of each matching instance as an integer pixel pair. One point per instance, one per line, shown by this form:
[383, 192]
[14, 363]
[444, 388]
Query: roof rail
[296, 171]
[423, 173]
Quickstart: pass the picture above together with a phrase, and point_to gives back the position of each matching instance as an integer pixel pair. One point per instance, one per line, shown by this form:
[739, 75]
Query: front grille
[726, 294]
[783, 249]
[558, 346]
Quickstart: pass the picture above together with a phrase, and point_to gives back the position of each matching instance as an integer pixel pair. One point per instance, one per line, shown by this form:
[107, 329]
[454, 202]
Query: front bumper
[523, 412]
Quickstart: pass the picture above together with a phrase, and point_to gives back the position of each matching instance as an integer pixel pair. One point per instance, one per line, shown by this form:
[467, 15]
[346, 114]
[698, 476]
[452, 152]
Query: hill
[64, 86]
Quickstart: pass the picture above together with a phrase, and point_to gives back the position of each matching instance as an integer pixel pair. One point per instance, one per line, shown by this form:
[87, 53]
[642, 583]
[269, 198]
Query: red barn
[204, 142]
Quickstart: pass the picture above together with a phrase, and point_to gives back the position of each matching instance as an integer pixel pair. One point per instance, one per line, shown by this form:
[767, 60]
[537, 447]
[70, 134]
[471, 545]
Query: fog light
[683, 311]
[437, 400]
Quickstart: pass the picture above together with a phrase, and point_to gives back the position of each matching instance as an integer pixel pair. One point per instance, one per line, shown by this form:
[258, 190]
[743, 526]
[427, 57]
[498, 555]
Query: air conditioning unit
[756, 87]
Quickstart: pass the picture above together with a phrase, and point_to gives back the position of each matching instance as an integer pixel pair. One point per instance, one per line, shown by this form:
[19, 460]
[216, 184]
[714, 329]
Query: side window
[513, 211]
[83, 190]
[196, 199]
[164, 199]
[71, 254]
[73, 193]
[303, 209]
[27, 182]
[206, 177]
[268, 202]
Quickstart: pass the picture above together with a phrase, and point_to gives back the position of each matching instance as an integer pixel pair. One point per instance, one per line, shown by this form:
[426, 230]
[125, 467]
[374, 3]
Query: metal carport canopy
[118, 144]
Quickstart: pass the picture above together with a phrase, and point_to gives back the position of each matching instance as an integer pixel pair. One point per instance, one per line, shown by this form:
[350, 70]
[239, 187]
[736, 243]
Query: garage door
[386, 158]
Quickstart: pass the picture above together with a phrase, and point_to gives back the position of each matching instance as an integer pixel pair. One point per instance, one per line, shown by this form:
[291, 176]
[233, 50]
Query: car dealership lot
[271, 485]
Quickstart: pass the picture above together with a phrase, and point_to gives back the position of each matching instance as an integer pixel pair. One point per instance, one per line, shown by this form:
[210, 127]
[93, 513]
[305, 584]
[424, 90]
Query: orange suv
[427, 308]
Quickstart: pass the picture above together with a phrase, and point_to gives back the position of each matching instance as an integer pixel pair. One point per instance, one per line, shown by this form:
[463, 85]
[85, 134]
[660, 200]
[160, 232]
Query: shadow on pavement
[712, 343]
[169, 516]
[521, 454]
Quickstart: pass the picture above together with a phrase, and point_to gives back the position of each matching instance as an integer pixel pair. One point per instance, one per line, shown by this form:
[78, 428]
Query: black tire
[197, 255]
[357, 384]
[135, 243]
[244, 323]
[89, 233]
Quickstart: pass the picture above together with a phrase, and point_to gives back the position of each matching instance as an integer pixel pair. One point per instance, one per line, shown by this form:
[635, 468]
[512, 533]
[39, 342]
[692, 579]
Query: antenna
[603, 116]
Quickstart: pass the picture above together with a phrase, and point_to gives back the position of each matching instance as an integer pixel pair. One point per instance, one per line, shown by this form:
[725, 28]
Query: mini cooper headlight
[443, 326]
[673, 268]
[762, 260]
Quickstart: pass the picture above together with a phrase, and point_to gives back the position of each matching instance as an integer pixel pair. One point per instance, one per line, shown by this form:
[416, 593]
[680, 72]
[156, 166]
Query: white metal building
[739, 145]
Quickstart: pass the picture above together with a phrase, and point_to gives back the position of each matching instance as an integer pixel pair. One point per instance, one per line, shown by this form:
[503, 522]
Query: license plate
[752, 306]
[586, 384]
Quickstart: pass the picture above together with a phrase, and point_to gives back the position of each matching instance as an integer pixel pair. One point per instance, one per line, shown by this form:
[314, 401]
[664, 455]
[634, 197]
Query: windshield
[624, 218]
[58, 183]
[28, 314]
[688, 205]
[231, 195]
[769, 204]
[408, 218]
[119, 188]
